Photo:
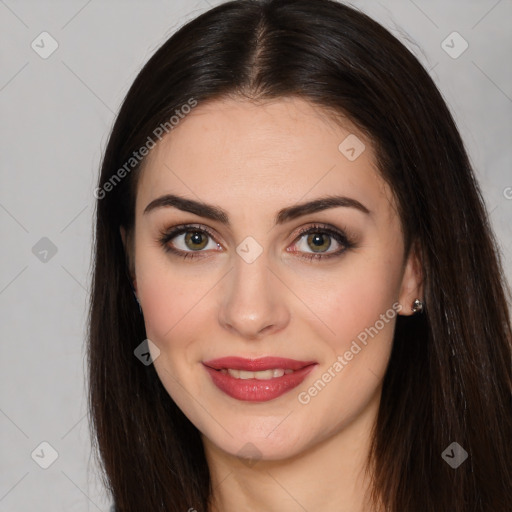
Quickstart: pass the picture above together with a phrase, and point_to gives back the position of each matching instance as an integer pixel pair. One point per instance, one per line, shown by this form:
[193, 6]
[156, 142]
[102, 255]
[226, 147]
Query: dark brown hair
[449, 377]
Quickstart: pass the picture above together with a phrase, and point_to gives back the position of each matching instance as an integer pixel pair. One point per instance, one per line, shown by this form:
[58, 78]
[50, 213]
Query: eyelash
[339, 236]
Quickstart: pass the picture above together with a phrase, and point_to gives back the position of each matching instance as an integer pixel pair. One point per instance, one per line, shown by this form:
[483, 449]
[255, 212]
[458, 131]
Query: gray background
[56, 116]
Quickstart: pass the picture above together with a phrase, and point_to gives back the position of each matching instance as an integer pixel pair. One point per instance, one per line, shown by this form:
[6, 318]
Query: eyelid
[183, 228]
[168, 234]
[324, 226]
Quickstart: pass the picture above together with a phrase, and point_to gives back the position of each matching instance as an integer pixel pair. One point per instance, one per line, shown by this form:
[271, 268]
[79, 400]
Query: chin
[263, 439]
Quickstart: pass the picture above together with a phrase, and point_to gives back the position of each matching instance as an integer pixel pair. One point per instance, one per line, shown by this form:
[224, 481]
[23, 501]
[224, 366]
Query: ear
[412, 281]
[127, 239]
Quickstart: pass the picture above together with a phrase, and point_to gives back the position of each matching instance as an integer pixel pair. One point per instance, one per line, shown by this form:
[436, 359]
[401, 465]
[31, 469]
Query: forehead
[281, 151]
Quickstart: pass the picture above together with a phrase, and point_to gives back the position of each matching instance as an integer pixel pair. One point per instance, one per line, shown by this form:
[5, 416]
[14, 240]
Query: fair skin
[253, 160]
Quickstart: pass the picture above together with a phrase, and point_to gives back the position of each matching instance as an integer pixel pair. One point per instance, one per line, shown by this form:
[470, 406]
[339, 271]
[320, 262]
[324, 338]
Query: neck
[330, 475]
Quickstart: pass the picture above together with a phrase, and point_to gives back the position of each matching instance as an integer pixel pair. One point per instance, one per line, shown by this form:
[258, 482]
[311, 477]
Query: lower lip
[255, 390]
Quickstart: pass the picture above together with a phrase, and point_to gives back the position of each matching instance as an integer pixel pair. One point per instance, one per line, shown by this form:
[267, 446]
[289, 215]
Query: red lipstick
[276, 376]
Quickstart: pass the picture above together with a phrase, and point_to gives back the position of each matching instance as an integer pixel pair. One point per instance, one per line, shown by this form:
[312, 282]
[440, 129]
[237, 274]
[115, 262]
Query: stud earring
[417, 306]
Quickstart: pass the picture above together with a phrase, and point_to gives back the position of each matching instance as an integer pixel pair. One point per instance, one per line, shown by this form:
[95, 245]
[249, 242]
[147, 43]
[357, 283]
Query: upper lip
[255, 365]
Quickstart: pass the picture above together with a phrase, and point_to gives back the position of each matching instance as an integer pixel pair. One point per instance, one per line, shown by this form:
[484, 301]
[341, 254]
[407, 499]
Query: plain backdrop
[56, 115]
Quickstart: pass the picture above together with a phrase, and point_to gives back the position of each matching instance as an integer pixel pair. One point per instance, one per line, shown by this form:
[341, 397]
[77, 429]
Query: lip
[255, 390]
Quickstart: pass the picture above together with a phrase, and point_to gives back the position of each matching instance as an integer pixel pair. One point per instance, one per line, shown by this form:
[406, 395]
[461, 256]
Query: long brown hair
[449, 378]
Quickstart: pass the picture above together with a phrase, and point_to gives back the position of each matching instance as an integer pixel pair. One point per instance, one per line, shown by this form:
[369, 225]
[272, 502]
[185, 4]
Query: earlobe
[411, 292]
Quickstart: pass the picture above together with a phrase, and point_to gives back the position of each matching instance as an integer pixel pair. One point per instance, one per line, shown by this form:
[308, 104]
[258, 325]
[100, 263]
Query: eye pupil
[195, 237]
[318, 240]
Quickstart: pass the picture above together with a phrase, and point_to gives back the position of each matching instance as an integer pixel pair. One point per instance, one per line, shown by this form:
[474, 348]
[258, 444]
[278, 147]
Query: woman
[297, 304]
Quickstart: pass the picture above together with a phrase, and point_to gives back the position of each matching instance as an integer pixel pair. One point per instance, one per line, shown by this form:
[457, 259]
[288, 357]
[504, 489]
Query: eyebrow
[284, 215]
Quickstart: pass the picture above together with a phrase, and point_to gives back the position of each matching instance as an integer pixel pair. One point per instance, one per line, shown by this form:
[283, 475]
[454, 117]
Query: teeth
[261, 375]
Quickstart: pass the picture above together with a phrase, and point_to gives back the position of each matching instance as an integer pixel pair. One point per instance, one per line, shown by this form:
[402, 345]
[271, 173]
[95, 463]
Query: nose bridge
[253, 300]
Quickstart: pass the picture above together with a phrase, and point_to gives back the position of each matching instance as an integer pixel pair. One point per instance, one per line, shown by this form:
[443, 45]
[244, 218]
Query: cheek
[162, 309]
[167, 297]
[174, 320]
[348, 303]
[360, 309]
[172, 309]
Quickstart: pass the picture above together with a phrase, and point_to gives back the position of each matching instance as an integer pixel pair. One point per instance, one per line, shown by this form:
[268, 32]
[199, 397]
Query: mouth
[257, 380]
[261, 375]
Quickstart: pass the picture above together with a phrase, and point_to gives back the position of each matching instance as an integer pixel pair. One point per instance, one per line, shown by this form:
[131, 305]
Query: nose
[254, 303]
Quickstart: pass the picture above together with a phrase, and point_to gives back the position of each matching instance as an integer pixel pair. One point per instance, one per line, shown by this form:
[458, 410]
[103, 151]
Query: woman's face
[244, 282]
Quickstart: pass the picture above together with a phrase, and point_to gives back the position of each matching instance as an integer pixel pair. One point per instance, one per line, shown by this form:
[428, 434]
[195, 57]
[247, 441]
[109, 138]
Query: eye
[318, 239]
[187, 240]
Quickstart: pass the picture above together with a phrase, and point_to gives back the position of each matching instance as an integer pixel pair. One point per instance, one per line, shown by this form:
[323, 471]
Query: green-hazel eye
[187, 241]
[193, 238]
[319, 241]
